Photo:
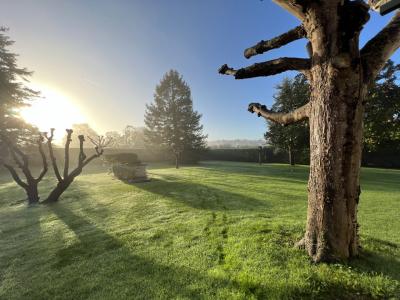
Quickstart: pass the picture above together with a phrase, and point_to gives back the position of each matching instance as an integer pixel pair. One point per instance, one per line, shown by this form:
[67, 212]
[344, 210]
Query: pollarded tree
[21, 160]
[340, 74]
[68, 176]
[292, 94]
[171, 122]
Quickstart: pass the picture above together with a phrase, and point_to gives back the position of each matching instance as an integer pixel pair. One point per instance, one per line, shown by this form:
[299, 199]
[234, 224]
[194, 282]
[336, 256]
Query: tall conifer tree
[14, 94]
[171, 122]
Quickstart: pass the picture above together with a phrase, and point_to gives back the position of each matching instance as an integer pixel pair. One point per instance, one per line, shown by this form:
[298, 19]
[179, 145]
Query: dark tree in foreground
[14, 94]
[340, 74]
[294, 139]
[171, 122]
[66, 178]
[21, 160]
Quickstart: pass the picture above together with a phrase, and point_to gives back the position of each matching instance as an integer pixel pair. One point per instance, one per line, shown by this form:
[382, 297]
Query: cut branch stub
[51, 153]
[279, 41]
[295, 7]
[294, 116]
[226, 70]
[268, 68]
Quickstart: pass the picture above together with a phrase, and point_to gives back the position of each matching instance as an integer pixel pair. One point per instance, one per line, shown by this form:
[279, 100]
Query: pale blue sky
[109, 55]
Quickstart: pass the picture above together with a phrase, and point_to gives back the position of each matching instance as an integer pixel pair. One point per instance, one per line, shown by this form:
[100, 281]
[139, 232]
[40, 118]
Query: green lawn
[216, 230]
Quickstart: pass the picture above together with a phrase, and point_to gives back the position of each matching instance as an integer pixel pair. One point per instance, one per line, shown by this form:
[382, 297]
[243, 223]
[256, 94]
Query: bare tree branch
[279, 41]
[51, 152]
[14, 151]
[379, 49]
[268, 68]
[44, 160]
[66, 152]
[17, 155]
[100, 143]
[297, 115]
[82, 155]
[15, 176]
[295, 7]
[31, 183]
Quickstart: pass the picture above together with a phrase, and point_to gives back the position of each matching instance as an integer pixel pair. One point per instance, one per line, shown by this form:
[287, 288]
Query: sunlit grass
[217, 230]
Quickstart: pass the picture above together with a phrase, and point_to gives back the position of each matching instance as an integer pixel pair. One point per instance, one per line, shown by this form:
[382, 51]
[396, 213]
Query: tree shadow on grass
[200, 196]
[278, 173]
[117, 271]
[383, 258]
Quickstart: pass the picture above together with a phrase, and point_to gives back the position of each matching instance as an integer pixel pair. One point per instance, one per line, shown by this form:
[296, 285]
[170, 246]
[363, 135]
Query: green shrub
[129, 159]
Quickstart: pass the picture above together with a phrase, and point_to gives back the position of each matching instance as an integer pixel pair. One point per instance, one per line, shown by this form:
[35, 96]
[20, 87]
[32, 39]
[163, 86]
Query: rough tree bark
[339, 74]
[22, 161]
[68, 177]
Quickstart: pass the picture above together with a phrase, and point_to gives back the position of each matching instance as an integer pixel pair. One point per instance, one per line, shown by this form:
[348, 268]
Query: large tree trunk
[335, 148]
[339, 74]
[55, 194]
[336, 124]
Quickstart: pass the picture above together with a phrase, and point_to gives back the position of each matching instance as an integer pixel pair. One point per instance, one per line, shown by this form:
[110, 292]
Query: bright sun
[52, 110]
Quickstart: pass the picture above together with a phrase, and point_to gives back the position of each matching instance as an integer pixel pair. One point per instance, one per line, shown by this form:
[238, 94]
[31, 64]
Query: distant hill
[238, 143]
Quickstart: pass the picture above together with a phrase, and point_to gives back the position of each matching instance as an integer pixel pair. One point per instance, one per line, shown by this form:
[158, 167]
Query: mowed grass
[216, 230]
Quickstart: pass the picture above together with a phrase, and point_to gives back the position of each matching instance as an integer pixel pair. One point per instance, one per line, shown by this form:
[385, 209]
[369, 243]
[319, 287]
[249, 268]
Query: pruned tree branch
[66, 151]
[268, 68]
[17, 160]
[279, 41]
[20, 158]
[379, 49]
[100, 143]
[15, 176]
[51, 153]
[297, 115]
[295, 7]
[82, 155]
[44, 160]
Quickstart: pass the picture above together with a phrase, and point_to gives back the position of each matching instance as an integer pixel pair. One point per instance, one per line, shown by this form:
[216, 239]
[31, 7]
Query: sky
[106, 57]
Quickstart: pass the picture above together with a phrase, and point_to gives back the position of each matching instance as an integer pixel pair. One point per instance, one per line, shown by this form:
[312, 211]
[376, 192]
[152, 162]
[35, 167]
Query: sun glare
[52, 110]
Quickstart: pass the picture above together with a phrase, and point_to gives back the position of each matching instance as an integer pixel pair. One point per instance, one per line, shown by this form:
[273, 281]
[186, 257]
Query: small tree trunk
[177, 160]
[32, 193]
[291, 162]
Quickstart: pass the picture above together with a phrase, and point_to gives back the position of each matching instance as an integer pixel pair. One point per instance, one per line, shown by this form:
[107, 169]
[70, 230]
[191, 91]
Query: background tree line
[381, 123]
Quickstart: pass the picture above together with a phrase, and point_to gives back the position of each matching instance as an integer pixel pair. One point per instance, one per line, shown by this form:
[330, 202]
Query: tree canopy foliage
[291, 94]
[382, 112]
[130, 137]
[381, 123]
